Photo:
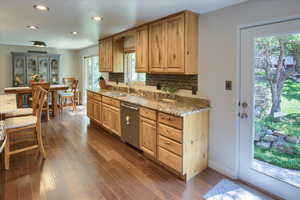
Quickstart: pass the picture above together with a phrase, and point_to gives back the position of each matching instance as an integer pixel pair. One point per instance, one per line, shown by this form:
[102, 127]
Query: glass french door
[91, 74]
[269, 146]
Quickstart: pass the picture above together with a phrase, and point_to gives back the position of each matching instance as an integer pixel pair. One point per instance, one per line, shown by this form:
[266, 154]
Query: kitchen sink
[117, 94]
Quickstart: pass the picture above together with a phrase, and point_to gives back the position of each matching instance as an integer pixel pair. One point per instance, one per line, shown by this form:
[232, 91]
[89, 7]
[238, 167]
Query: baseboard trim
[231, 173]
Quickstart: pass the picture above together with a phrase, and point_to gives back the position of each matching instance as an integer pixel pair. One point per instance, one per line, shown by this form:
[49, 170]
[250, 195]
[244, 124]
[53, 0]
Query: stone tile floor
[287, 175]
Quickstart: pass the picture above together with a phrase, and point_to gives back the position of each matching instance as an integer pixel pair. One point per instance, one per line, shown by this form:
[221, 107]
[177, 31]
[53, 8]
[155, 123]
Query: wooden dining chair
[20, 124]
[65, 96]
[45, 86]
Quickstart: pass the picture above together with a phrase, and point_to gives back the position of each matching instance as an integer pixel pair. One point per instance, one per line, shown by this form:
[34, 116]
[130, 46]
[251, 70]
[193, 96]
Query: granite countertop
[180, 107]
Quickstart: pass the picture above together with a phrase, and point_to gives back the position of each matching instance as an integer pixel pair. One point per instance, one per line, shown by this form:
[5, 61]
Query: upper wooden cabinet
[173, 44]
[106, 55]
[142, 49]
[167, 45]
[156, 47]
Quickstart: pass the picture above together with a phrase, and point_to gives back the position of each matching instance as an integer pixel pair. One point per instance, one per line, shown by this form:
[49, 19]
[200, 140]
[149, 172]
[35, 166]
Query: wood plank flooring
[86, 163]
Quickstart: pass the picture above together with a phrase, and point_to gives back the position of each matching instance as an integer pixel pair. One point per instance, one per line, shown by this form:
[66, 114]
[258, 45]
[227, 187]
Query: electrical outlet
[228, 85]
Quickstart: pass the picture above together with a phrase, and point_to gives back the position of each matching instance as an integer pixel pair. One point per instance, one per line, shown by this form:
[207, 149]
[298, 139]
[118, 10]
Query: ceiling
[65, 16]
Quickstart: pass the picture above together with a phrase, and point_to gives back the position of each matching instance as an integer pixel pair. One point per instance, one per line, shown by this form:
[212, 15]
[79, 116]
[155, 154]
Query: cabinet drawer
[97, 97]
[170, 120]
[90, 95]
[170, 159]
[106, 100]
[170, 132]
[115, 103]
[170, 145]
[148, 113]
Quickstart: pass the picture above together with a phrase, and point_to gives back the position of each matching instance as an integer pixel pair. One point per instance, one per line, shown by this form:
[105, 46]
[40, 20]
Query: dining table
[20, 91]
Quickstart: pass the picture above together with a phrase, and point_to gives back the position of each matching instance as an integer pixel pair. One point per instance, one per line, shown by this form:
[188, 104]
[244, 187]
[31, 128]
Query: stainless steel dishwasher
[130, 124]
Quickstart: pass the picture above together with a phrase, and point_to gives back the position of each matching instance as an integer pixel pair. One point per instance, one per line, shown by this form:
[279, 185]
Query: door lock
[244, 114]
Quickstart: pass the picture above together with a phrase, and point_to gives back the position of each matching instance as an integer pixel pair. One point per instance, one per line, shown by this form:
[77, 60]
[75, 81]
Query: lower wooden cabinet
[94, 110]
[90, 108]
[97, 112]
[111, 118]
[115, 120]
[106, 117]
[148, 136]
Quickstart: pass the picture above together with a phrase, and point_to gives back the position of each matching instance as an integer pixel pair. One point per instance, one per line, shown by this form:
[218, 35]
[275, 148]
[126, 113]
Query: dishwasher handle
[129, 107]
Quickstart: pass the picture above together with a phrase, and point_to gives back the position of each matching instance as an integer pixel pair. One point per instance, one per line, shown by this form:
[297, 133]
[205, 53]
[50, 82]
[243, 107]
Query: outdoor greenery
[277, 158]
[281, 112]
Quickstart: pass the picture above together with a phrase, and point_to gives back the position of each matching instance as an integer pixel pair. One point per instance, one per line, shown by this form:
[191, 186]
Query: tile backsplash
[186, 82]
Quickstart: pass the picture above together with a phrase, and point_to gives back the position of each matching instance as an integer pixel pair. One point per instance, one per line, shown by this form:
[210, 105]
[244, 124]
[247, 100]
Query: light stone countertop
[180, 107]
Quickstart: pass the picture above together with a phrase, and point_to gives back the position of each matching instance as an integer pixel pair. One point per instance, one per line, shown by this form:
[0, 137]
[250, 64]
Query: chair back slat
[74, 86]
[39, 99]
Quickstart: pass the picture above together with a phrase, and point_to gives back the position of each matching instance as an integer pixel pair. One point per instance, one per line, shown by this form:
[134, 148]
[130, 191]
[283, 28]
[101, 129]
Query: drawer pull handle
[168, 143]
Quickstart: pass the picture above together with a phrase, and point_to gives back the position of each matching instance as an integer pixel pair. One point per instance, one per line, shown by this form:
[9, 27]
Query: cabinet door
[19, 70]
[118, 55]
[115, 120]
[90, 108]
[142, 49]
[156, 47]
[106, 116]
[44, 67]
[97, 112]
[148, 136]
[175, 43]
[109, 55]
[102, 56]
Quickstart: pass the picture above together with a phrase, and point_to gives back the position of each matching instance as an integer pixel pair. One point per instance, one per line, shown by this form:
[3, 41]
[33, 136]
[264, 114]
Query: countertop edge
[178, 115]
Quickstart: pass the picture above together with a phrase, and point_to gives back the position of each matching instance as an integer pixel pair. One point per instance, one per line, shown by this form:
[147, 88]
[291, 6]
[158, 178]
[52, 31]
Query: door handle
[244, 114]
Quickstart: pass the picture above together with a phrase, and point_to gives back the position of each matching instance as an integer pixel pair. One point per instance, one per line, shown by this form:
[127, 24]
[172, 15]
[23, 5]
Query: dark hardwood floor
[87, 163]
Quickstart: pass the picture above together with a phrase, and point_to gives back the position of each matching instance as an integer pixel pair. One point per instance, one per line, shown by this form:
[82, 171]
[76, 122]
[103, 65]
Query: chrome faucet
[128, 86]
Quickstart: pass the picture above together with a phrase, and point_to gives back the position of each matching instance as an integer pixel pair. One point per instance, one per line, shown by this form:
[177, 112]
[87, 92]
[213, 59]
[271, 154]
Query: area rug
[228, 190]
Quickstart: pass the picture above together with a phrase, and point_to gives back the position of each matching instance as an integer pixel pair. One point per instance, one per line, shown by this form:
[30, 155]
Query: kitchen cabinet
[115, 120]
[118, 55]
[94, 107]
[90, 108]
[148, 136]
[106, 116]
[142, 49]
[111, 118]
[106, 55]
[156, 47]
[180, 144]
[173, 44]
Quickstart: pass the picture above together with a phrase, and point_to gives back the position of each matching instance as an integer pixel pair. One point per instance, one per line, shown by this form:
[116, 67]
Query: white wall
[68, 62]
[218, 62]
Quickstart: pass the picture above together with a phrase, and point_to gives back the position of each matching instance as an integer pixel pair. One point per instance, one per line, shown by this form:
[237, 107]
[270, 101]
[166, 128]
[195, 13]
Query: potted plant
[36, 78]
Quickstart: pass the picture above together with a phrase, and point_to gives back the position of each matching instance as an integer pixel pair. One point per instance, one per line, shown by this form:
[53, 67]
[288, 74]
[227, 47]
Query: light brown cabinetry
[118, 55]
[173, 44]
[111, 115]
[156, 47]
[142, 49]
[94, 107]
[148, 136]
[115, 120]
[106, 55]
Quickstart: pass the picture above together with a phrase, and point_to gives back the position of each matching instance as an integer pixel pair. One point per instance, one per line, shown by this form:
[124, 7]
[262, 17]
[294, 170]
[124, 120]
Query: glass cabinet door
[32, 67]
[43, 69]
[54, 70]
[19, 70]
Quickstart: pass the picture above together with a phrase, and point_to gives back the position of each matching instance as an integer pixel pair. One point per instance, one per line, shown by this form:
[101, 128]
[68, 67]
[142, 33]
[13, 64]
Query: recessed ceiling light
[74, 32]
[41, 7]
[97, 18]
[32, 27]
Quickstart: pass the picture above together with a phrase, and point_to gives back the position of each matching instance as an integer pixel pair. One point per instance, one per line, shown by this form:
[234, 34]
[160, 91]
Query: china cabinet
[25, 65]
